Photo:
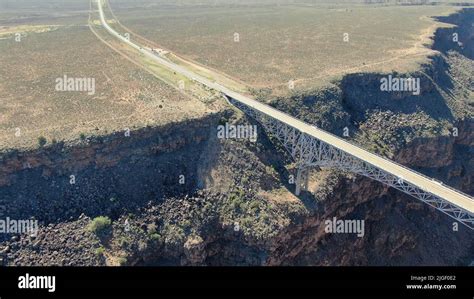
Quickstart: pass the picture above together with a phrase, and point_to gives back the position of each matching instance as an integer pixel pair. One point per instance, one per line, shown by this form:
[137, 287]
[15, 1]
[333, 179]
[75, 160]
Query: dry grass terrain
[279, 43]
[126, 96]
[44, 12]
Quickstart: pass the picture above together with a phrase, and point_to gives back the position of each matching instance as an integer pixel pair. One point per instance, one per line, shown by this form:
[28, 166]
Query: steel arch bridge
[308, 152]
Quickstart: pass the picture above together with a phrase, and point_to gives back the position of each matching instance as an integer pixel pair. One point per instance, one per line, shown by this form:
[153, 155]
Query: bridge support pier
[302, 177]
[308, 151]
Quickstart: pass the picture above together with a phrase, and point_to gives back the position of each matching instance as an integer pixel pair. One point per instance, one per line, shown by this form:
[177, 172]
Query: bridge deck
[457, 198]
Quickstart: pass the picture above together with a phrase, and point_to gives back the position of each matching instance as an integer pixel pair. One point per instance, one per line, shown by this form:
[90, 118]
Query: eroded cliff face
[236, 206]
[399, 230]
[255, 221]
[449, 158]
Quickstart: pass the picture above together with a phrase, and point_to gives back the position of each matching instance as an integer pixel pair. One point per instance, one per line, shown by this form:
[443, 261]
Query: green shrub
[99, 224]
[173, 234]
[237, 199]
[254, 206]
[186, 224]
[155, 237]
[42, 141]
[100, 251]
[123, 241]
[122, 261]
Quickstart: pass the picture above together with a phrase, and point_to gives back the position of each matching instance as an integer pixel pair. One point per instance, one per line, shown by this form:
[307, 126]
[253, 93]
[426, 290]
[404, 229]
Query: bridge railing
[401, 165]
[359, 147]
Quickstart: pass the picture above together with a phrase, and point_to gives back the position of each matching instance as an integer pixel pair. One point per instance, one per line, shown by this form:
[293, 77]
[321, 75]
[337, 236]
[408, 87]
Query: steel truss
[308, 151]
